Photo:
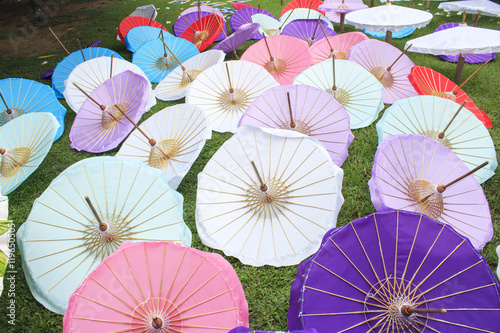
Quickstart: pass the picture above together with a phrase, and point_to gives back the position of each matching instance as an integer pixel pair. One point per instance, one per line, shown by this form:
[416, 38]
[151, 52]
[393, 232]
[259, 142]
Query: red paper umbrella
[135, 21]
[429, 82]
[240, 5]
[309, 4]
[204, 31]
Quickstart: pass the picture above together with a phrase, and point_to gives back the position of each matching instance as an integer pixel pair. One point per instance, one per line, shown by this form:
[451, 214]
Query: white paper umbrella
[275, 210]
[224, 91]
[92, 73]
[269, 26]
[482, 7]
[359, 92]
[175, 84]
[179, 132]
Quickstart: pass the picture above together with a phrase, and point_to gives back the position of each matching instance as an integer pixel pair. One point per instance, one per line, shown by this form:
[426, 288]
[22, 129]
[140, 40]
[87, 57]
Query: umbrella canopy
[429, 82]
[438, 119]
[179, 133]
[185, 20]
[24, 143]
[388, 64]
[372, 274]
[238, 38]
[482, 7]
[334, 17]
[275, 210]
[175, 84]
[307, 110]
[224, 91]
[22, 96]
[339, 9]
[269, 26]
[307, 4]
[308, 30]
[359, 92]
[304, 14]
[100, 124]
[65, 237]
[66, 66]
[131, 22]
[244, 16]
[154, 58]
[202, 9]
[416, 173]
[338, 45]
[137, 36]
[92, 73]
[284, 57]
[175, 289]
[204, 31]
[470, 58]
[148, 11]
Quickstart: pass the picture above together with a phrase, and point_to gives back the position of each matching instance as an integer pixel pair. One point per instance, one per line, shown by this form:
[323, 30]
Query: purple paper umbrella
[307, 110]
[308, 30]
[244, 16]
[100, 124]
[242, 329]
[395, 271]
[185, 20]
[239, 37]
[470, 58]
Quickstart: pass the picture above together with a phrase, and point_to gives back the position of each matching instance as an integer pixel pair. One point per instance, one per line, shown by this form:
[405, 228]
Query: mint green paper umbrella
[66, 236]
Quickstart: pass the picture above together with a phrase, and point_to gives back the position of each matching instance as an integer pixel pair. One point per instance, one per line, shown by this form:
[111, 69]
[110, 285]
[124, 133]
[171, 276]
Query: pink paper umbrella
[100, 125]
[284, 57]
[339, 45]
[388, 64]
[305, 109]
[158, 287]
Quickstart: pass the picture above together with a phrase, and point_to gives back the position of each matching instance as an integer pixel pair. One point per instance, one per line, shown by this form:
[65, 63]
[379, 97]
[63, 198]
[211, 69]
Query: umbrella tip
[2, 151]
[156, 322]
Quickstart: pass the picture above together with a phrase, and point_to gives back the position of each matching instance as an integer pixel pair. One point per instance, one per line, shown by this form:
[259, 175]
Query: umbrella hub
[188, 76]
[446, 94]
[275, 66]
[104, 241]
[383, 75]
[111, 116]
[162, 152]
[200, 37]
[300, 127]
[166, 62]
[13, 160]
[233, 101]
[434, 135]
[5, 116]
[310, 41]
[341, 95]
[276, 195]
[159, 314]
[429, 201]
[273, 32]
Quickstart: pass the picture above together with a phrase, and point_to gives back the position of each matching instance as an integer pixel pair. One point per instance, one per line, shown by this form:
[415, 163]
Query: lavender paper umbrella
[308, 30]
[239, 37]
[185, 20]
[470, 58]
[244, 16]
[387, 272]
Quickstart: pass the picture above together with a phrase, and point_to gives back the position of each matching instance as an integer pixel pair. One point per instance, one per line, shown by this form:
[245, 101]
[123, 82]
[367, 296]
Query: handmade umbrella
[388, 18]
[269, 26]
[24, 143]
[145, 11]
[469, 58]
[303, 4]
[170, 140]
[359, 92]
[131, 22]
[185, 20]
[446, 122]
[429, 82]
[224, 91]
[238, 38]
[388, 64]
[66, 66]
[92, 73]
[395, 271]
[416, 173]
[338, 45]
[334, 17]
[340, 8]
[84, 216]
[308, 30]
[305, 14]
[244, 16]
[267, 196]
[100, 124]
[203, 31]
[22, 96]
[455, 41]
[174, 289]
[175, 84]
[307, 110]
[137, 36]
[284, 57]
[157, 62]
[201, 9]
[480, 7]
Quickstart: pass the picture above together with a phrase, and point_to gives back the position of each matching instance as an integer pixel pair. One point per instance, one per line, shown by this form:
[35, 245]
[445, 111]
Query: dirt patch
[22, 38]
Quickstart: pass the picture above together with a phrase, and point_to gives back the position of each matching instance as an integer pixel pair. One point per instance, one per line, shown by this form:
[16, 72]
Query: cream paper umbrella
[224, 91]
[92, 73]
[268, 196]
[178, 132]
[175, 84]
[359, 92]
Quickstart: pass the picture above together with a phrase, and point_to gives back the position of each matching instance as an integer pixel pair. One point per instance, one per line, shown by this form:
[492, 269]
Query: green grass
[266, 288]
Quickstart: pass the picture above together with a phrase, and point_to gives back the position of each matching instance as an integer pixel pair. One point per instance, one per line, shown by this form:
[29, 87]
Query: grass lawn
[266, 288]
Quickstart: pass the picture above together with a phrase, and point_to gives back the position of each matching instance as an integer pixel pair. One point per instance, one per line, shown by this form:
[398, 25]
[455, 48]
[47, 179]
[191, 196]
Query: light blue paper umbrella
[22, 96]
[64, 68]
[24, 143]
[466, 135]
[157, 61]
[66, 236]
[398, 34]
[140, 35]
